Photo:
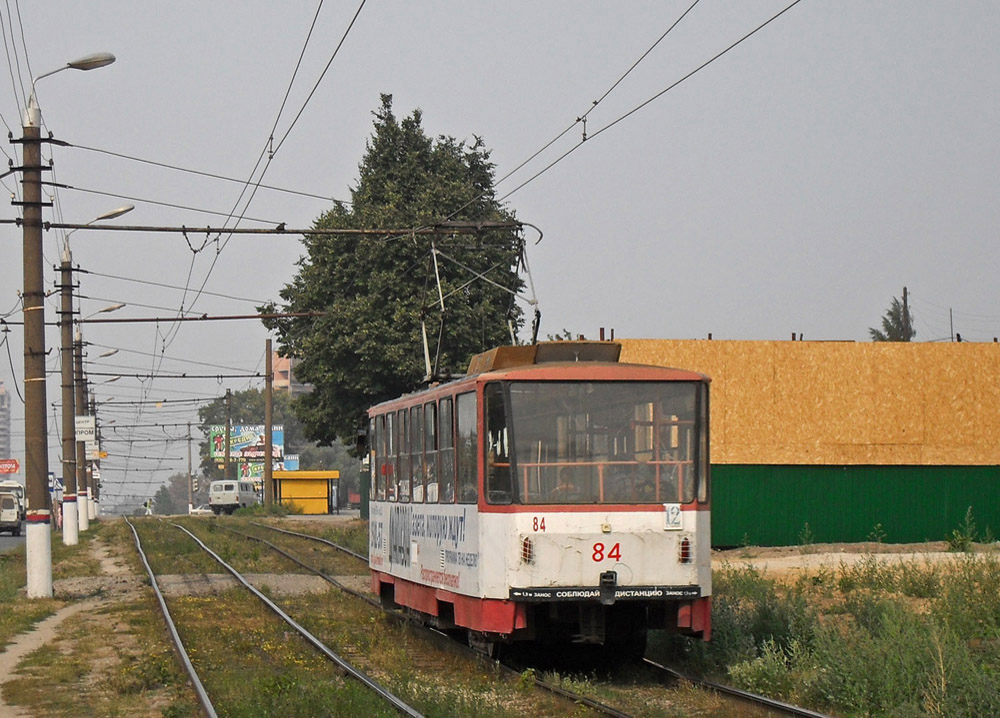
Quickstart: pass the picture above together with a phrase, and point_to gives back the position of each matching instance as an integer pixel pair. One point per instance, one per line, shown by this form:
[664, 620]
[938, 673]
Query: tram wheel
[485, 645]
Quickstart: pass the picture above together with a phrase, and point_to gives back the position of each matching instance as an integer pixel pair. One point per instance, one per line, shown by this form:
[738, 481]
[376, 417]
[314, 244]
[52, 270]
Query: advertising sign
[255, 470]
[246, 442]
[9, 466]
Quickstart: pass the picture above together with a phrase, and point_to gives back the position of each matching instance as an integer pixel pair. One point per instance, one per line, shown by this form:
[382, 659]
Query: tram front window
[594, 442]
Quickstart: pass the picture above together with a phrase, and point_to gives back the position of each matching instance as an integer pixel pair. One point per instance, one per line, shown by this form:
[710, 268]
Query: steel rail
[349, 669]
[203, 698]
[759, 700]
[438, 635]
[337, 546]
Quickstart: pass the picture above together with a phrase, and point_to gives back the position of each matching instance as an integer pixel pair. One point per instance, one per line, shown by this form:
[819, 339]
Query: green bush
[750, 614]
[962, 538]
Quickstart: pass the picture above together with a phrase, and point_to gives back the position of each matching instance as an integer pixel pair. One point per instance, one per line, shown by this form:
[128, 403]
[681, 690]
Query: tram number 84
[600, 552]
[615, 552]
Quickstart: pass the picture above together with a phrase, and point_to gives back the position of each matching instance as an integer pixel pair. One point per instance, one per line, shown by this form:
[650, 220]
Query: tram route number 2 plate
[672, 517]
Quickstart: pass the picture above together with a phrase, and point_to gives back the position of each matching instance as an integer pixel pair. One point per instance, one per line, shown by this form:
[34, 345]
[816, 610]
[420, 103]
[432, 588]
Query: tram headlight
[684, 555]
[527, 550]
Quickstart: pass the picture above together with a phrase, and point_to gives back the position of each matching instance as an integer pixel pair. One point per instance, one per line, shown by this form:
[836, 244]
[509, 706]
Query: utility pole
[906, 316]
[95, 489]
[38, 541]
[190, 486]
[229, 429]
[83, 495]
[71, 519]
[268, 436]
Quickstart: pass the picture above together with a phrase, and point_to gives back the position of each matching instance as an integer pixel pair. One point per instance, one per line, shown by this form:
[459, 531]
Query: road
[9, 543]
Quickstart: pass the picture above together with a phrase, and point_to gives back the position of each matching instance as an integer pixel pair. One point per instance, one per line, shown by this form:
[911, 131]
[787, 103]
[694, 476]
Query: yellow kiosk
[314, 492]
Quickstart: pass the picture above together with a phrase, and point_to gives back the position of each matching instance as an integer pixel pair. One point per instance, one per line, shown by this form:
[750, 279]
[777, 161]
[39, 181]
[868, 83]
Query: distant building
[284, 375]
[5, 448]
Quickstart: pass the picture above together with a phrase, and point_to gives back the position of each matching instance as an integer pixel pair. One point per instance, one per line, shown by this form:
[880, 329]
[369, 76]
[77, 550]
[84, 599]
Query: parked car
[10, 514]
[201, 510]
[225, 496]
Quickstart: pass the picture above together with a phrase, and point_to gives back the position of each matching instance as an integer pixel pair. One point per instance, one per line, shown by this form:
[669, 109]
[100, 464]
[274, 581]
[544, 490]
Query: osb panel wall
[843, 402]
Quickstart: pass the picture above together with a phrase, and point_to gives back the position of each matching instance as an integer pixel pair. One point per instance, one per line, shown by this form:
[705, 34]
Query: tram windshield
[608, 442]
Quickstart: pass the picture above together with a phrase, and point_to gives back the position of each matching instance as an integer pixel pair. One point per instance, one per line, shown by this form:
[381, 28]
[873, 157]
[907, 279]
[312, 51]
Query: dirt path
[115, 583]
[31, 641]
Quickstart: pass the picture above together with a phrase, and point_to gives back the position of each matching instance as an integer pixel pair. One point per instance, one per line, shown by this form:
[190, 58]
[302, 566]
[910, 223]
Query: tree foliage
[897, 324]
[367, 347]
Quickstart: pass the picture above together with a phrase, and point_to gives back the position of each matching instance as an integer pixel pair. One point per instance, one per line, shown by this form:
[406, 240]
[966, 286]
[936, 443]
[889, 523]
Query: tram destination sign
[587, 593]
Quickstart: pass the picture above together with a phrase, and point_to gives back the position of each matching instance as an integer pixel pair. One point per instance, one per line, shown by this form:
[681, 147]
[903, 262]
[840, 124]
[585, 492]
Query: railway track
[345, 667]
[770, 705]
[443, 640]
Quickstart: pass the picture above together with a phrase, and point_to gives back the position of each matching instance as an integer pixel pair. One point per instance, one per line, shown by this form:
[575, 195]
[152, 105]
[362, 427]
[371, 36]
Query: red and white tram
[552, 495]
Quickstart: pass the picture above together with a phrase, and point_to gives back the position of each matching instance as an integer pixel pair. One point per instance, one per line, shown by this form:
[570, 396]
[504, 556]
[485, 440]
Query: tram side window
[467, 439]
[498, 482]
[703, 458]
[403, 481]
[387, 470]
[374, 454]
[446, 492]
[431, 452]
[417, 452]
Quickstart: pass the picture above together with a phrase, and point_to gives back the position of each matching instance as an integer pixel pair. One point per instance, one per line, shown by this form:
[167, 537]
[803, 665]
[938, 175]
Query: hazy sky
[794, 185]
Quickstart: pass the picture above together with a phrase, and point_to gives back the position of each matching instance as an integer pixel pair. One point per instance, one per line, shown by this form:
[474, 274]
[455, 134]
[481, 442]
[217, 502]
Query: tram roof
[553, 361]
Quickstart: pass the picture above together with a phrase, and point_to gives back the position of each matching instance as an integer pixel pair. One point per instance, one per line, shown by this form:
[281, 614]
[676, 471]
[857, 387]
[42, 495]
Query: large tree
[374, 291]
[897, 324]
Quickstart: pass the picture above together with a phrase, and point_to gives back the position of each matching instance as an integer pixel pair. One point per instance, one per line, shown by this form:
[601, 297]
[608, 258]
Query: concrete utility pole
[906, 316]
[38, 541]
[71, 519]
[268, 436]
[190, 486]
[229, 430]
[80, 396]
[95, 489]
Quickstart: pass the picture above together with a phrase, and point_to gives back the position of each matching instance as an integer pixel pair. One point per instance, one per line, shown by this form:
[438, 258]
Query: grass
[870, 639]
[254, 665]
[866, 639]
[18, 615]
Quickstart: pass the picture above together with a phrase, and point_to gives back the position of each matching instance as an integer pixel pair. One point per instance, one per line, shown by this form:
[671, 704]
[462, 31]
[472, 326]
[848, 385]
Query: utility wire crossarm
[444, 228]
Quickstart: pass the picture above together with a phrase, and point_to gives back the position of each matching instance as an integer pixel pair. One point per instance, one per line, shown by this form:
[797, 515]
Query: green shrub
[769, 673]
[962, 538]
[750, 614]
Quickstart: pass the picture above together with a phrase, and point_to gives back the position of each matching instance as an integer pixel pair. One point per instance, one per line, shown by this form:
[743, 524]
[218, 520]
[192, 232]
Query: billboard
[255, 470]
[246, 443]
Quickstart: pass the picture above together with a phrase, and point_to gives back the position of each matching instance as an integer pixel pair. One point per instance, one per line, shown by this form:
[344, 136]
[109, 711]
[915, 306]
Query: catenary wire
[158, 203]
[167, 286]
[209, 175]
[642, 105]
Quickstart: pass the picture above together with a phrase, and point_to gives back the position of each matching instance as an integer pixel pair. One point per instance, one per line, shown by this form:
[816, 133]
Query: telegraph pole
[36, 450]
[190, 487]
[906, 316]
[268, 437]
[71, 519]
[229, 429]
[80, 395]
[95, 492]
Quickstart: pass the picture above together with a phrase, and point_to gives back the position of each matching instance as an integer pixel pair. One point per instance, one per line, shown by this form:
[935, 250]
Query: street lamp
[38, 541]
[110, 308]
[33, 115]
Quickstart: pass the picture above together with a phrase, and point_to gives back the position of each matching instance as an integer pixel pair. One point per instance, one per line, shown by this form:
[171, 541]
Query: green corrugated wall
[771, 505]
